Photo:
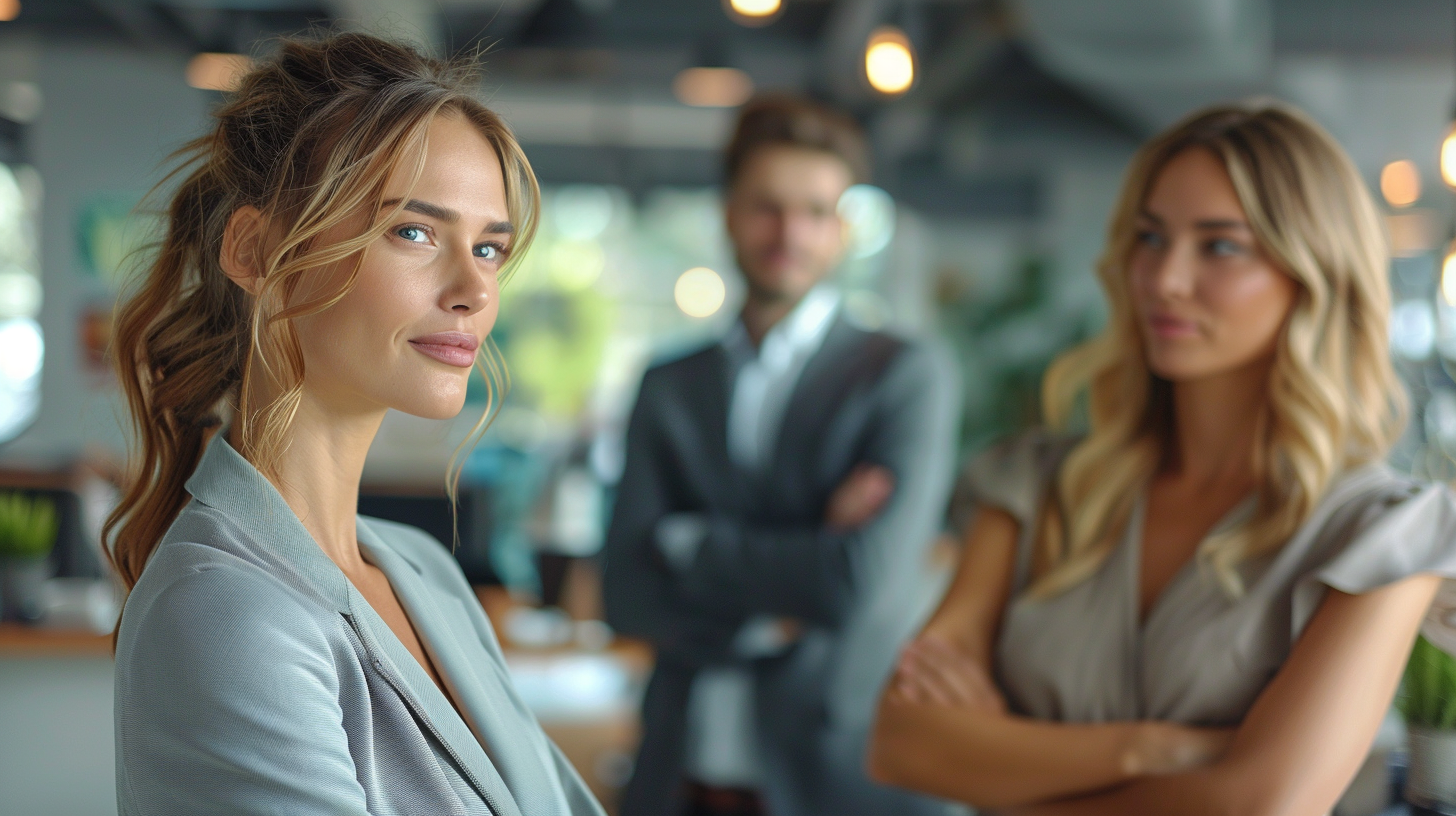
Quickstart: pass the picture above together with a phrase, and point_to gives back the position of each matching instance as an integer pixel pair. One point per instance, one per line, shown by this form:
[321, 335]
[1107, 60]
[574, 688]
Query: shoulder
[669, 376]
[1375, 526]
[214, 613]
[681, 363]
[1011, 474]
[899, 362]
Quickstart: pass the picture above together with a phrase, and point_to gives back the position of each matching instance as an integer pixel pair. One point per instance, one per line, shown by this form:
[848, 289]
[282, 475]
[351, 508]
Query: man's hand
[859, 498]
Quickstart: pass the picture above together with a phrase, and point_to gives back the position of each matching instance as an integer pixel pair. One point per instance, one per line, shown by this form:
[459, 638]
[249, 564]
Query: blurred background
[1000, 130]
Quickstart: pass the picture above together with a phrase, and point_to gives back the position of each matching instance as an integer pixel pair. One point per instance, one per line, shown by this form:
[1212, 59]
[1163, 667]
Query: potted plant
[28, 528]
[1428, 703]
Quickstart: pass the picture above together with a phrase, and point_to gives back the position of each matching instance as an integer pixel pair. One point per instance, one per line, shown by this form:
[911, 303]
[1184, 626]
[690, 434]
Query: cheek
[831, 236]
[368, 317]
[1140, 269]
[1251, 306]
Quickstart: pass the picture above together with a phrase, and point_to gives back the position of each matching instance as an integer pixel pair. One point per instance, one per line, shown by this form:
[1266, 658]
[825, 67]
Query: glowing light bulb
[1448, 158]
[889, 61]
[699, 292]
[1400, 183]
[755, 8]
[9, 10]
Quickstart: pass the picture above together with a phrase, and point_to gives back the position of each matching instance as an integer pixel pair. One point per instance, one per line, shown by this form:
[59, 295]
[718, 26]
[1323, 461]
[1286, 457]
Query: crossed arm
[876, 525]
[944, 729]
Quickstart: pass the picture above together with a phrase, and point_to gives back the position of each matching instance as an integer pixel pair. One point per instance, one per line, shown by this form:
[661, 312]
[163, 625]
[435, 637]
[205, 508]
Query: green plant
[27, 525]
[1428, 691]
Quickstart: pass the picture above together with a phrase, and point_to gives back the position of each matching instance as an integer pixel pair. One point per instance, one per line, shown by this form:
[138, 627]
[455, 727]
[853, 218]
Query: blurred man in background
[780, 492]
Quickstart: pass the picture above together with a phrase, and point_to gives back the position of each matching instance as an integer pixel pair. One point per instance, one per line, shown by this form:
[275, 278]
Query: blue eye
[1224, 247]
[413, 234]
[489, 252]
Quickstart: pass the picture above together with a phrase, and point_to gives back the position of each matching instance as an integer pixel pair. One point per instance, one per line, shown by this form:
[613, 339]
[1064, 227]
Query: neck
[318, 474]
[1217, 420]
[761, 312]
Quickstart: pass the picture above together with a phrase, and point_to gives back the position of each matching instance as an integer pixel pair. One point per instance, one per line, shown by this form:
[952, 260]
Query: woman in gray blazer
[334, 250]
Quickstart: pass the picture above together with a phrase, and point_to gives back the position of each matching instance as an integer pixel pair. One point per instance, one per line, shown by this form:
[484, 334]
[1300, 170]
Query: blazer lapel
[497, 738]
[818, 395]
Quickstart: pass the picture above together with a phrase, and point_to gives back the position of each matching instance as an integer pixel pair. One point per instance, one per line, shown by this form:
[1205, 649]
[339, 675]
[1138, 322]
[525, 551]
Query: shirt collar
[228, 483]
[800, 332]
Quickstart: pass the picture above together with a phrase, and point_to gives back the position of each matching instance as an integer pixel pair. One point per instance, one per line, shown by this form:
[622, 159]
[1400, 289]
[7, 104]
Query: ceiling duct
[1153, 59]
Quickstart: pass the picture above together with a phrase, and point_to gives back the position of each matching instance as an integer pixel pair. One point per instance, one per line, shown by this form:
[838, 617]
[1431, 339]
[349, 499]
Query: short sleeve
[1404, 537]
[1403, 533]
[1011, 475]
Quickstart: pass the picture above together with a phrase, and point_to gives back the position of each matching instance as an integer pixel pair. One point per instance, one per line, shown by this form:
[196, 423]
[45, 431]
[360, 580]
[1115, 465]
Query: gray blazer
[863, 397]
[252, 678]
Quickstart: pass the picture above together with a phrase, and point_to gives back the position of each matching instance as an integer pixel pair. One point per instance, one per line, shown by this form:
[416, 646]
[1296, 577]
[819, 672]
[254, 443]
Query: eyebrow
[448, 215]
[1208, 224]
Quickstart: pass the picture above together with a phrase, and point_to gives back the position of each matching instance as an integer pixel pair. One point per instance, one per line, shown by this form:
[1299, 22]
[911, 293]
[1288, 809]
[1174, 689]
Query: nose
[471, 284]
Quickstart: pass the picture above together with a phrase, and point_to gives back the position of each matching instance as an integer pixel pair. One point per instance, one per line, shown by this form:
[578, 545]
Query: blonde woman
[1204, 604]
[335, 250]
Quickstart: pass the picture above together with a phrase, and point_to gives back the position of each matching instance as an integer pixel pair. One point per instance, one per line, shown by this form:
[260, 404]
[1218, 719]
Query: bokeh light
[1400, 183]
[1448, 276]
[21, 351]
[889, 61]
[581, 212]
[699, 292]
[755, 9]
[572, 266]
[870, 215]
[1448, 158]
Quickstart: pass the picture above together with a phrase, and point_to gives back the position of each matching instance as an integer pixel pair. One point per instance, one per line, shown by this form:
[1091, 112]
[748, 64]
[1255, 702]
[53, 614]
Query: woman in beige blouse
[1204, 604]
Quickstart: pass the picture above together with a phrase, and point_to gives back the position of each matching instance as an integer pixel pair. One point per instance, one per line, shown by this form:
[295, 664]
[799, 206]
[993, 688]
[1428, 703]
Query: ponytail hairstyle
[309, 138]
[1333, 399]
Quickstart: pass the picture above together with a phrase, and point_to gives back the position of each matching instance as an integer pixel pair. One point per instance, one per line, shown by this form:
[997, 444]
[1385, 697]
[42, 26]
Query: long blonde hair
[1333, 397]
[309, 138]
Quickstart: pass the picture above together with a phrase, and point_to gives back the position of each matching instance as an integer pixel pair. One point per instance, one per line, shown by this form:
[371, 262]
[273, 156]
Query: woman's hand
[933, 672]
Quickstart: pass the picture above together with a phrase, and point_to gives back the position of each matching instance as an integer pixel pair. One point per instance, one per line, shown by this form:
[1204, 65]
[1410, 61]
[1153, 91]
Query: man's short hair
[793, 121]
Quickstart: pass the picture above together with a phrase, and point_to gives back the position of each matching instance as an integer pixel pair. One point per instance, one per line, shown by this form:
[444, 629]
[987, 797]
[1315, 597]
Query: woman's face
[427, 291]
[1208, 301]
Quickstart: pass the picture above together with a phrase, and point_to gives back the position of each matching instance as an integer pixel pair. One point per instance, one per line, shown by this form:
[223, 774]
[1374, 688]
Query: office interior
[998, 149]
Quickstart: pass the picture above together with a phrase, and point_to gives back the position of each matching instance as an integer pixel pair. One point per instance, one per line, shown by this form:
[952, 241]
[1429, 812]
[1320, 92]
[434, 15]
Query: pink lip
[1169, 327]
[451, 348]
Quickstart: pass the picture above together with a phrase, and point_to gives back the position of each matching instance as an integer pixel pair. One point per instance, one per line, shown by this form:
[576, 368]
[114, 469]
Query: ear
[241, 256]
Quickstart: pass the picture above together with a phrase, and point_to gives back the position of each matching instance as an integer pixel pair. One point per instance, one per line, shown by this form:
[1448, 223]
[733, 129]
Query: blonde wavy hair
[1333, 397]
[309, 138]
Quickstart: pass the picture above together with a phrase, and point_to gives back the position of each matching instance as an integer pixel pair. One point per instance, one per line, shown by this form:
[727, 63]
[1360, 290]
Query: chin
[432, 406]
[785, 288]
[1184, 370]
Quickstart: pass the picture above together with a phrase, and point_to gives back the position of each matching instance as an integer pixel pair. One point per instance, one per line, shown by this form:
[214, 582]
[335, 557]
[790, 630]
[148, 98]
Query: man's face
[783, 219]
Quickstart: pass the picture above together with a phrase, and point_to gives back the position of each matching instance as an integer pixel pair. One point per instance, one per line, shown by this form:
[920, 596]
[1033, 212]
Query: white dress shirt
[721, 738]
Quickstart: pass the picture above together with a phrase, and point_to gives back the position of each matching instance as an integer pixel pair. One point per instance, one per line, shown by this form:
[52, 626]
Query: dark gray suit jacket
[864, 397]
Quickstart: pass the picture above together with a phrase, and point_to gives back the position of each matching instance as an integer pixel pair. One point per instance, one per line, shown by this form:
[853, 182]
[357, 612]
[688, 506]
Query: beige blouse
[1201, 657]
